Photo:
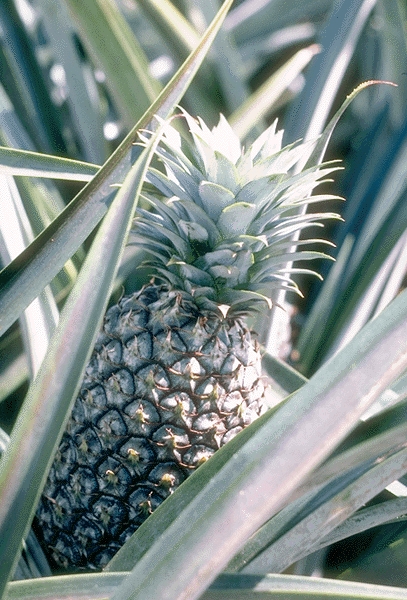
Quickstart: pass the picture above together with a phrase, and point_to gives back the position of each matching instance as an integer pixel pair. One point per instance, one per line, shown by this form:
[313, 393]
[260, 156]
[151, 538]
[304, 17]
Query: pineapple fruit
[176, 372]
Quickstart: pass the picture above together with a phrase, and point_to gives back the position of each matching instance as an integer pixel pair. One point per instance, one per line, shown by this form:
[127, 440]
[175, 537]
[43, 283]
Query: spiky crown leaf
[223, 229]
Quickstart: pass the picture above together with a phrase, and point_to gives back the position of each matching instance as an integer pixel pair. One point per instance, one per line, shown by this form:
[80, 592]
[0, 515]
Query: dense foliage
[315, 486]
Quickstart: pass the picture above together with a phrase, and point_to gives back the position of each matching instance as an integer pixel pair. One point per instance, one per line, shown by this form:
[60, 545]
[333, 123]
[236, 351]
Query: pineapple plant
[193, 535]
[176, 371]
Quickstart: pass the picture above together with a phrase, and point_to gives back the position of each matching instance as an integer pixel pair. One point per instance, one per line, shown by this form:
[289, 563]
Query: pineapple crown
[223, 229]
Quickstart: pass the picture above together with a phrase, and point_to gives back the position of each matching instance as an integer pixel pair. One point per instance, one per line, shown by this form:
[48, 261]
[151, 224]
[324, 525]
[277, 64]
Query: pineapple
[176, 372]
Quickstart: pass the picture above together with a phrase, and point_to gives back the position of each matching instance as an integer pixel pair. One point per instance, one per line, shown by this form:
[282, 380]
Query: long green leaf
[321, 146]
[24, 278]
[39, 319]
[332, 478]
[341, 316]
[114, 49]
[314, 327]
[34, 164]
[225, 60]
[181, 37]
[305, 536]
[179, 34]
[308, 115]
[27, 88]
[12, 376]
[287, 377]
[385, 512]
[262, 101]
[42, 419]
[256, 482]
[92, 586]
[292, 587]
[316, 157]
[227, 587]
[84, 103]
[254, 20]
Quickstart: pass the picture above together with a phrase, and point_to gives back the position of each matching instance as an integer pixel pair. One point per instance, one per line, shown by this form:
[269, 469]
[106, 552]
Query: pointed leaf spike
[320, 149]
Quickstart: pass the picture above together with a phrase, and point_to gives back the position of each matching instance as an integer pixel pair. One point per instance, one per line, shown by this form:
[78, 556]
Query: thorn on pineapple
[241, 410]
[149, 381]
[76, 487]
[84, 540]
[133, 455]
[104, 353]
[178, 299]
[193, 369]
[170, 441]
[58, 457]
[59, 511]
[168, 340]
[211, 393]
[83, 446]
[113, 383]
[111, 477]
[201, 461]
[146, 506]
[125, 318]
[178, 410]
[132, 347]
[140, 415]
[105, 428]
[88, 397]
[167, 481]
[202, 322]
[104, 516]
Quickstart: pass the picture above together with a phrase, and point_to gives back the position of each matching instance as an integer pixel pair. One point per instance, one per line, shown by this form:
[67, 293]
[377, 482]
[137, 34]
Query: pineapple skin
[166, 386]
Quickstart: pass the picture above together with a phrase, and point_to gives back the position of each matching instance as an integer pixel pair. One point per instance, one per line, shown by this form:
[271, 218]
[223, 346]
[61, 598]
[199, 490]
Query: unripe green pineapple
[175, 372]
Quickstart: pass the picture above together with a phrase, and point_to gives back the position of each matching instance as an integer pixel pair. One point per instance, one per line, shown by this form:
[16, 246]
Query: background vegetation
[77, 79]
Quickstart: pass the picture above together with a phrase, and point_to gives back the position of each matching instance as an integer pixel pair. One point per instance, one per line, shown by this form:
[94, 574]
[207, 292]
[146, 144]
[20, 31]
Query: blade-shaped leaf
[327, 481]
[14, 374]
[316, 157]
[84, 105]
[40, 317]
[116, 51]
[287, 377]
[227, 587]
[41, 421]
[294, 587]
[24, 162]
[23, 78]
[92, 586]
[321, 146]
[262, 101]
[367, 518]
[305, 536]
[176, 30]
[308, 115]
[274, 462]
[338, 39]
[27, 275]
[225, 59]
